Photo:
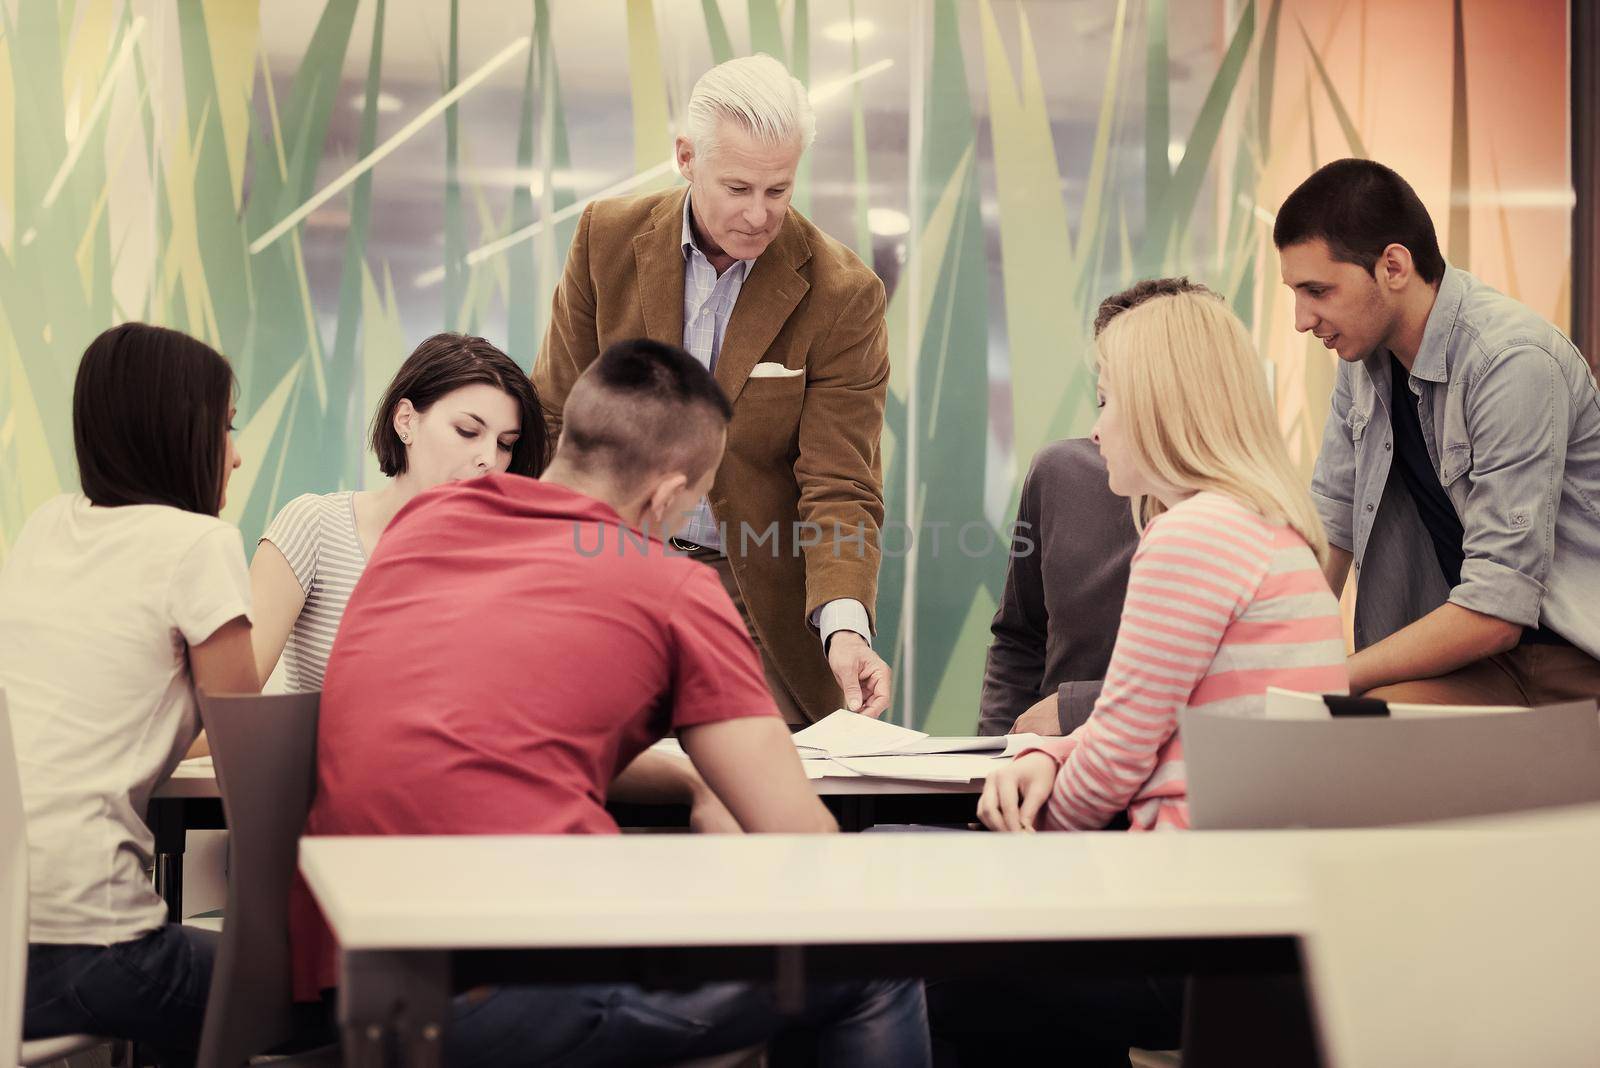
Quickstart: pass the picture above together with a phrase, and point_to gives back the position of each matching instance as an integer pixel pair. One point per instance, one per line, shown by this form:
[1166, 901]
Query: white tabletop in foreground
[608, 891]
[647, 890]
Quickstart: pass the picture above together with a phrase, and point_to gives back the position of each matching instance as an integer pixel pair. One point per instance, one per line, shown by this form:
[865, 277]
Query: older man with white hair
[791, 324]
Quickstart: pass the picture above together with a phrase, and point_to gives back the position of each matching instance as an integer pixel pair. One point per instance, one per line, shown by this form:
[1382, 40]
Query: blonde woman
[1225, 597]
[1226, 594]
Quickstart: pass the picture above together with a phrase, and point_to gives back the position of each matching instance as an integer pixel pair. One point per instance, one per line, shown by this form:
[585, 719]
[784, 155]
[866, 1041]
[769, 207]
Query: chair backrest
[265, 750]
[1370, 771]
[13, 893]
[1460, 948]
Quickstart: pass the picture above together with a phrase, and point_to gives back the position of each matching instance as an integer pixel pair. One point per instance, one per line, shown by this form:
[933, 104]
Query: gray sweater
[1062, 602]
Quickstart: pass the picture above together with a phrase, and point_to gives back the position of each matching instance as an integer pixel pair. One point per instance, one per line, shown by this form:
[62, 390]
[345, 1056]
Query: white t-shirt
[98, 607]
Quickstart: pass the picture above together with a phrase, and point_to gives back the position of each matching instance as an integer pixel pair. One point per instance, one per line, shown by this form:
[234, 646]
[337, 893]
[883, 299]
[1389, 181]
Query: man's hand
[1043, 718]
[1013, 795]
[707, 813]
[861, 673]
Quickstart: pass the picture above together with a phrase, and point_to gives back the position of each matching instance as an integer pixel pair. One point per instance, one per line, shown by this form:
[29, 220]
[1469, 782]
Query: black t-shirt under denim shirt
[1414, 466]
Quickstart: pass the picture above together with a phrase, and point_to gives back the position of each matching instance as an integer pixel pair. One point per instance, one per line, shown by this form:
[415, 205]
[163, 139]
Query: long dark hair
[150, 419]
[446, 362]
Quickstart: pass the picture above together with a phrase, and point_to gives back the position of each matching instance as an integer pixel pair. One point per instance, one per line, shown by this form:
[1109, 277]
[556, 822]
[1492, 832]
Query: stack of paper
[849, 745]
[849, 734]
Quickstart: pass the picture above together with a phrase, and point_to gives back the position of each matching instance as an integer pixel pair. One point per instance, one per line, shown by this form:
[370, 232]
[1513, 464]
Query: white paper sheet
[860, 748]
[933, 744]
[845, 733]
[1016, 743]
[939, 767]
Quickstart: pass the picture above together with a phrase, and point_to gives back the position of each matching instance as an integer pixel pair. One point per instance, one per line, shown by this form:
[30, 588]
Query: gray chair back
[264, 748]
[1250, 773]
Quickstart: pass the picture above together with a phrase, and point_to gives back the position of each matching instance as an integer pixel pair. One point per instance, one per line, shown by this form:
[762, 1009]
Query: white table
[786, 908]
[194, 779]
[413, 915]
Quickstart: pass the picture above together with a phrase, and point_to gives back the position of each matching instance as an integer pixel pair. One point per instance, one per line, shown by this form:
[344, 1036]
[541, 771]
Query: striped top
[317, 535]
[1221, 605]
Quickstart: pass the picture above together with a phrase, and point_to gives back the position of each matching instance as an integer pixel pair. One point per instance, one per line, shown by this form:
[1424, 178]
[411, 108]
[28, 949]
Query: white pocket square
[776, 370]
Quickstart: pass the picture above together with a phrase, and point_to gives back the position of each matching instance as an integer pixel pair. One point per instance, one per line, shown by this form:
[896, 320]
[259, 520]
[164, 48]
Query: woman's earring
[405, 439]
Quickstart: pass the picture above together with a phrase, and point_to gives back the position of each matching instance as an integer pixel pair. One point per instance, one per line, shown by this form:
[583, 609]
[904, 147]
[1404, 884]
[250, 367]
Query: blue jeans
[151, 990]
[881, 1024]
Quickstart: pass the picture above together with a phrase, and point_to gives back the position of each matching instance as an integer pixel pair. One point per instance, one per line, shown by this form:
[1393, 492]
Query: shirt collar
[1433, 356]
[691, 246]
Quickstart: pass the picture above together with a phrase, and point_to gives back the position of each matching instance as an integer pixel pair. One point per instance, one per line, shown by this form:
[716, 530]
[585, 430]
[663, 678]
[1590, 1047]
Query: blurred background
[313, 187]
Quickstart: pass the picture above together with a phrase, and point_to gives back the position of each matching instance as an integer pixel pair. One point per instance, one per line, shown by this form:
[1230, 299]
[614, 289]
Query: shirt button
[1358, 565]
[1387, 445]
[1369, 507]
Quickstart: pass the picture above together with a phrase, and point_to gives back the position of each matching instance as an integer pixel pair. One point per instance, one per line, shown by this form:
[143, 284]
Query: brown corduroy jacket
[803, 462]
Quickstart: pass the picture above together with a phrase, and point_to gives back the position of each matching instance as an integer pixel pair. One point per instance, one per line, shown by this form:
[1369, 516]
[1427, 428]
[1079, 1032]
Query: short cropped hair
[150, 419]
[442, 364]
[644, 409]
[758, 94]
[1360, 207]
[1141, 291]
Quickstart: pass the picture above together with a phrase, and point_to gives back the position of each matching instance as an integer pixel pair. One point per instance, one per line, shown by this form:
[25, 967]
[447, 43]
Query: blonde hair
[1198, 415]
[760, 95]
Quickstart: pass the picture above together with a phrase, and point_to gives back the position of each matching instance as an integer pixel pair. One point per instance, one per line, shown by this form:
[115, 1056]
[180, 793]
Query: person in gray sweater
[1063, 595]
[1066, 579]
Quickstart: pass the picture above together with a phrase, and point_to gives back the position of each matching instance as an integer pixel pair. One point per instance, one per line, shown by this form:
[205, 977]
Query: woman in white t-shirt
[116, 604]
[457, 408]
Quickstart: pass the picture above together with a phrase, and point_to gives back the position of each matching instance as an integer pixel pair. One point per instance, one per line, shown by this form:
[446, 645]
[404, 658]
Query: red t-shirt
[509, 649]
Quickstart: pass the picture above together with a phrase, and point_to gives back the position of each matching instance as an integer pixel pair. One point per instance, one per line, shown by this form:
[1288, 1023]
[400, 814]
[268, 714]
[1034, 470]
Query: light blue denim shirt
[1511, 419]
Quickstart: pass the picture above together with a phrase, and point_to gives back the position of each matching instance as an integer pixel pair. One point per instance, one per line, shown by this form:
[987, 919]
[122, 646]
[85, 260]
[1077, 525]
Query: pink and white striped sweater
[1221, 605]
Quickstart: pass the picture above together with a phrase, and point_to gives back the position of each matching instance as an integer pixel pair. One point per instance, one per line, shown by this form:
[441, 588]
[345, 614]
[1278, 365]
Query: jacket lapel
[766, 300]
[658, 256]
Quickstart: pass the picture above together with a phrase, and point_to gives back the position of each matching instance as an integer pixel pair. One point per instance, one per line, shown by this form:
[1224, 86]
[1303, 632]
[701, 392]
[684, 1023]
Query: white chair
[14, 917]
[1460, 949]
[1298, 766]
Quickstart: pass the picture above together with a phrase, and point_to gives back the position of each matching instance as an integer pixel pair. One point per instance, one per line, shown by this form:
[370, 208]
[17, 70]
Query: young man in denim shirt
[1460, 463]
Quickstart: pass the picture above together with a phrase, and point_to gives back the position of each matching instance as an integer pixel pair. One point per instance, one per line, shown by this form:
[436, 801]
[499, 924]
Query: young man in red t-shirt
[515, 644]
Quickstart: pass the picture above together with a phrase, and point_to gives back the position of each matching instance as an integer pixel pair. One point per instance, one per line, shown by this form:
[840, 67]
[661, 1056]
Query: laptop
[1301, 765]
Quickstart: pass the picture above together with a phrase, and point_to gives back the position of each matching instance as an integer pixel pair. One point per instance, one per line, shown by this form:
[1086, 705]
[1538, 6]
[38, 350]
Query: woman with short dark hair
[116, 605]
[457, 408]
